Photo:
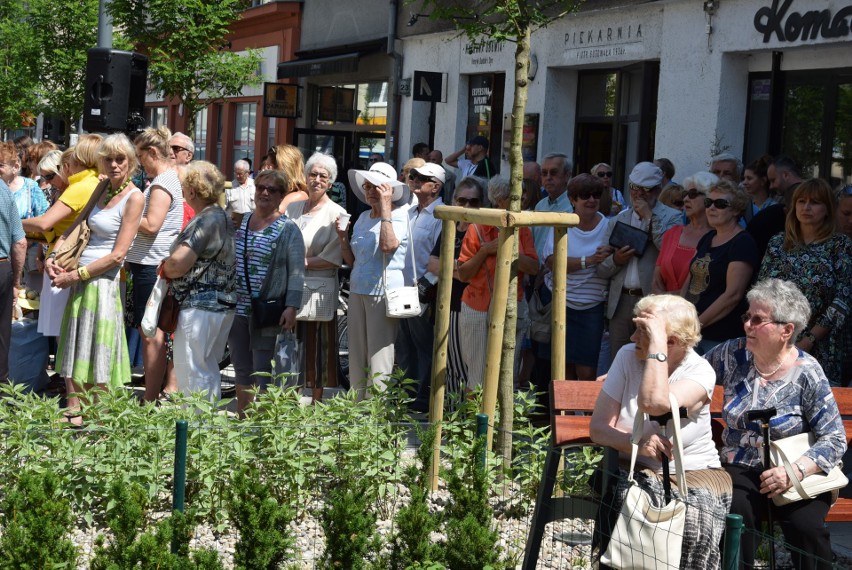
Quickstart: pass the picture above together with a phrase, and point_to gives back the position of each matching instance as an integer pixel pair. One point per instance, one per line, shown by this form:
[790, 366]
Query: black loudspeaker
[116, 82]
[54, 129]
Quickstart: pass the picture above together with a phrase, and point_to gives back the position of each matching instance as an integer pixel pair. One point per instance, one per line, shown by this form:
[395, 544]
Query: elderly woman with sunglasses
[270, 255]
[612, 202]
[585, 291]
[725, 263]
[469, 193]
[818, 260]
[378, 248]
[680, 241]
[766, 370]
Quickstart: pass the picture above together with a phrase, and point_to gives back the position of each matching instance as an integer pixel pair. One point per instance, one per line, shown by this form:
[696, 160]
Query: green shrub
[472, 539]
[349, 525]
[35, 521]
[261, 521]
[411, 544]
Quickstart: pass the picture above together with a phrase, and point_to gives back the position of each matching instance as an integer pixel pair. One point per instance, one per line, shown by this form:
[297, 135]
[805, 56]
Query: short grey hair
[728, 157]
[186, 142]
[786, 303]
[566, 162]
[702, 181]
[498, 189]
[326, 161]
[243, 165]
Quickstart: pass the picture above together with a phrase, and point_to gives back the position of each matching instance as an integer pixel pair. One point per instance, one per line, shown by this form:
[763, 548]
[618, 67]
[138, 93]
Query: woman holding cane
[765, 370]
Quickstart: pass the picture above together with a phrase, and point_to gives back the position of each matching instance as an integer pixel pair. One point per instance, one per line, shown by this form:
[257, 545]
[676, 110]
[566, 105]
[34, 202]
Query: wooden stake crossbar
[507, 222]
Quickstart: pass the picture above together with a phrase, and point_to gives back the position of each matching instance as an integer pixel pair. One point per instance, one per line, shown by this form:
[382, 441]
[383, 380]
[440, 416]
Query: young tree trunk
[516, 163]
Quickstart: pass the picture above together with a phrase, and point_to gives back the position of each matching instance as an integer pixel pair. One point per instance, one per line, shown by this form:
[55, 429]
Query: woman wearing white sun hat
[379, 241]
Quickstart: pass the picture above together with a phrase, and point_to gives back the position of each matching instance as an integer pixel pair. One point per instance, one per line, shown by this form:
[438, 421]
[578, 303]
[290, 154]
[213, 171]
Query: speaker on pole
[116, 82]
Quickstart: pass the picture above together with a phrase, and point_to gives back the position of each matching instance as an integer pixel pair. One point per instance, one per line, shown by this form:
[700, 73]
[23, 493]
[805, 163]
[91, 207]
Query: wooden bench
[570, 432]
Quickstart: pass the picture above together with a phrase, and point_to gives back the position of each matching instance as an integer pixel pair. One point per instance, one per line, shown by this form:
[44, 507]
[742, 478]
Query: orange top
[477, 295]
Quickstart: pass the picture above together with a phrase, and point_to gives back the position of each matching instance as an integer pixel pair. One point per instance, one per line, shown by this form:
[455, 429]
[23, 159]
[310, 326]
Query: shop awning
[319, 66]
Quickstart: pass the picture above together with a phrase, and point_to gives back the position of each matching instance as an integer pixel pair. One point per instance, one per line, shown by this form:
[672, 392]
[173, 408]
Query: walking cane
[763, 416]
[663, 420]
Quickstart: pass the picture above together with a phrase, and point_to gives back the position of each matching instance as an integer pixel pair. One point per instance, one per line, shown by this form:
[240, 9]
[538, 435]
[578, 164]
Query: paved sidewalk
[841, 538]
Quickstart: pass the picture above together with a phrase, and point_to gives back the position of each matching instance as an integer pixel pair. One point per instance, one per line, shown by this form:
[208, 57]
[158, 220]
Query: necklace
[777, 368]
[113, 193]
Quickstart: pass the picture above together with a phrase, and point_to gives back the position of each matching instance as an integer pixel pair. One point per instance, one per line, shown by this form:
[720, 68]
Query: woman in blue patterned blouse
[763, 370]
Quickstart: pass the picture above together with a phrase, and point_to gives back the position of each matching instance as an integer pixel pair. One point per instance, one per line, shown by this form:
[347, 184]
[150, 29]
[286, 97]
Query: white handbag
[403, 302]
[319, 299]
[784, 451]
[647, 537]
[152, 307]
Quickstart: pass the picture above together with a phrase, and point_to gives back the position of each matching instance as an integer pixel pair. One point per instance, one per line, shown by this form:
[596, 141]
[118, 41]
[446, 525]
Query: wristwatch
[801, 467]
[657, 356]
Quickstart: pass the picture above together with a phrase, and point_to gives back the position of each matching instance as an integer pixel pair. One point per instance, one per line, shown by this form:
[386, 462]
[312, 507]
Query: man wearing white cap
[377, 253]
[415, 337]
[630, 274]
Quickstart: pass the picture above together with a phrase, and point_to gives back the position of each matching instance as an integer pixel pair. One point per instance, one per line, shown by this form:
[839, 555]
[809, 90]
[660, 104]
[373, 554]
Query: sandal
[73, 419]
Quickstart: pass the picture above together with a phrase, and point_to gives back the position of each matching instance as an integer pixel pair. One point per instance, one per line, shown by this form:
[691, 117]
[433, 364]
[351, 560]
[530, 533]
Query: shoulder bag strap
[638, 429]
[410, 248]
[245, 255]
[788, 467]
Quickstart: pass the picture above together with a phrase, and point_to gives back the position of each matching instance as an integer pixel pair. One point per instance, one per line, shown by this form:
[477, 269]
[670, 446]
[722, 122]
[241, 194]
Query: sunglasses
[678, 203]
[585, 194]
[756, 320]
[602, 174]
[420, 178]
[177, 149]
[637, 188]
[718, 203]
[692, 194]
[467, 202]
[49, 177]
[269, 189]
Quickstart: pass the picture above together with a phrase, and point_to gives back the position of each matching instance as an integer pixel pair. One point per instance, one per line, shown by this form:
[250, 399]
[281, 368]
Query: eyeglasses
[269, 189]
[419, 177]
[319, 175]
[718, 203]
[585, 194]
[637, 188]
[692, 194]
[367, 186]
[602, 174]
[551, 172]
[49, 177]
[756, 320]
[176, 149]
[678, 203]
[467, 202]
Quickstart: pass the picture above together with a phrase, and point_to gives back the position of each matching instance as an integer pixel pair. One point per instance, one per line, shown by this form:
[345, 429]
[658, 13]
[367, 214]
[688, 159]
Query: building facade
[677, 79]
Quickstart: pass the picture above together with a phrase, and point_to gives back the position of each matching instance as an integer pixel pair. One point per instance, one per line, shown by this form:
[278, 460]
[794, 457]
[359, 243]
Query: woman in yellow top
[80, 167]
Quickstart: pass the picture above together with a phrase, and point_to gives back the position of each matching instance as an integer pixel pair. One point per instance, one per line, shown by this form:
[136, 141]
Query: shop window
[156, 116]
[200, 137]
[485, 111]
[361, 104]
[244, 129]
[816, 121]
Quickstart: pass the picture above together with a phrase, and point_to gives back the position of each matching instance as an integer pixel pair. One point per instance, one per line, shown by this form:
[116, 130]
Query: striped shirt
[152, 249]
[261, 246]
[583, 288]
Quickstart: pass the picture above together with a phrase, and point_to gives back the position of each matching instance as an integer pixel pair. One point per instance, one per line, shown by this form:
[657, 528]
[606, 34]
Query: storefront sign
[603, 43]
[485, 55]
[280, 100]
[336, 104]
[793, 26]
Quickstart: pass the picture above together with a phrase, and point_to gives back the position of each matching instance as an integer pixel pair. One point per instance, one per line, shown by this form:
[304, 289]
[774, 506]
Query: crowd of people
[747, 266]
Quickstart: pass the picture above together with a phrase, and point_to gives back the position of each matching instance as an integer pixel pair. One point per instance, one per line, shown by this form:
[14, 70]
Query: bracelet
[583, 262]
[388, 220]
[52, 255]
[83, 273]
